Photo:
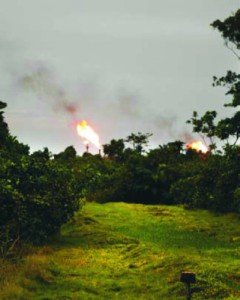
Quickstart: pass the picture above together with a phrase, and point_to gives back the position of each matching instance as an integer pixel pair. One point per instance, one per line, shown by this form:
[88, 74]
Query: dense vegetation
[39, 192]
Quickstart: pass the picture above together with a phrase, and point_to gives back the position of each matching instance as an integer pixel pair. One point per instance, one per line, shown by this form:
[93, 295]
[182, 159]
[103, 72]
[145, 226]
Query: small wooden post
[188, 278]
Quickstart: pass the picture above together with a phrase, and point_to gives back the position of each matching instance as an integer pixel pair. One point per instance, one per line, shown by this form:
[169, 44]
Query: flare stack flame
[88, 134]
[198, 146]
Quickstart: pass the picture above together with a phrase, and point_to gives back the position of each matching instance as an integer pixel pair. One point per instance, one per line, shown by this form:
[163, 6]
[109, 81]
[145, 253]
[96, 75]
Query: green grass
[129, 251]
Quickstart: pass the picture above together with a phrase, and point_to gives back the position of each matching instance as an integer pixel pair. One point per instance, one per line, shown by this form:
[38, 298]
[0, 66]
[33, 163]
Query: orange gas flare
[86, 132]
[198, 146]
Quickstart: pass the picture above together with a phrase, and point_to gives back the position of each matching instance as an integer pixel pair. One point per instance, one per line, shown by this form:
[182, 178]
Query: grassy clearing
[129, 251]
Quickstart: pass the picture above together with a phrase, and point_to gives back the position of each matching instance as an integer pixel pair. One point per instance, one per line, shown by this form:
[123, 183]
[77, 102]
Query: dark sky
[125, 66]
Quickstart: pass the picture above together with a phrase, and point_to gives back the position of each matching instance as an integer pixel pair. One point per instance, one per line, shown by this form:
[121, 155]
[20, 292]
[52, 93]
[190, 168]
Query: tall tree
[114, 149]
[139, 140]
[4, 132]
[230, 31]
[205, 126]
[229, 127]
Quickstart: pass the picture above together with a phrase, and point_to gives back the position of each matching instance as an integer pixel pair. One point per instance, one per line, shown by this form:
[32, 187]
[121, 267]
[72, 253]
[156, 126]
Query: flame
[198, 146]
[86, 131]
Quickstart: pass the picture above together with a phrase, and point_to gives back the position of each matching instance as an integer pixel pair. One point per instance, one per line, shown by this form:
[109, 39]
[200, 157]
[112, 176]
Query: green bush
[37, 194]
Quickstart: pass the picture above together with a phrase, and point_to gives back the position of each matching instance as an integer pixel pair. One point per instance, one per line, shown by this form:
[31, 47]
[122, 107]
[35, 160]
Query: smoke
[42, 82]
[165, 124]
[122, 112]
[186, 136]
[128, 104]
[168, 126]
[70, 108]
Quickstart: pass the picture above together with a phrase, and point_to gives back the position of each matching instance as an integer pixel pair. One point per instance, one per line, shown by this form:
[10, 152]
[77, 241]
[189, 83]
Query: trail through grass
[130, 251]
